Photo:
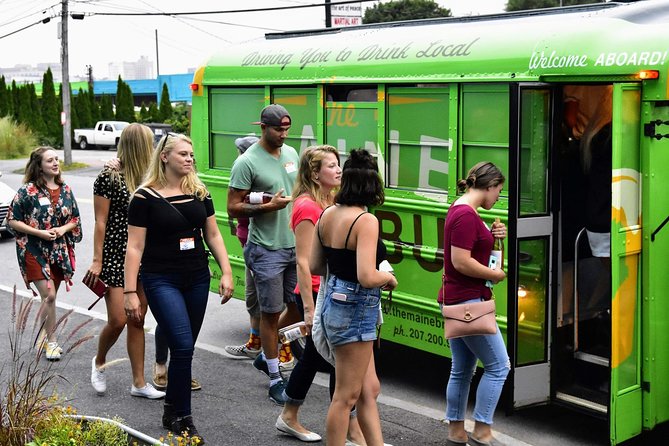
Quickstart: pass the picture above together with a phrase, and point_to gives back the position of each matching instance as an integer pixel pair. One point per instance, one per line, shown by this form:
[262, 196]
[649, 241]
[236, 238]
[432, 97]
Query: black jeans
[308, 365]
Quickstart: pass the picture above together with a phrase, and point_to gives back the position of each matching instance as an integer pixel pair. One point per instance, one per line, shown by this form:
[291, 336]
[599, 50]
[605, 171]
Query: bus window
[352, 93]
[418, 138]
[352, 125]
[301, 103]
[485, 126]
[232, 113]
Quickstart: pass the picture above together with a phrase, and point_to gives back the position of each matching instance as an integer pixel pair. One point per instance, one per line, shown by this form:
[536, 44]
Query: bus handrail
[575, 306]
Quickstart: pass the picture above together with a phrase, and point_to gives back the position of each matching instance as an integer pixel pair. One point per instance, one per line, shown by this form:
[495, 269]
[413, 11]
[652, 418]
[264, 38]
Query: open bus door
[530, 252]
[626, 414]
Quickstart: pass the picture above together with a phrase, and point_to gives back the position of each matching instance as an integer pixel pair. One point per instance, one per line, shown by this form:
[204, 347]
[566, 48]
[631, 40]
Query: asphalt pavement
[233, 407]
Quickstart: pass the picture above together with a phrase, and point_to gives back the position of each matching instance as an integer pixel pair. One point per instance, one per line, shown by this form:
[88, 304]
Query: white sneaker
[98, 378]
[148, 391]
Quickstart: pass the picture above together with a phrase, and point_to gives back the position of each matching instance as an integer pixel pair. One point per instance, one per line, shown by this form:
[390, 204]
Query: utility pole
[157, 60]
[328, 14]
[65, 85]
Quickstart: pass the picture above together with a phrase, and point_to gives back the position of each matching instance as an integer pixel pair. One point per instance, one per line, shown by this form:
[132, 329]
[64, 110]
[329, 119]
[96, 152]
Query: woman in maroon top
[467, 246]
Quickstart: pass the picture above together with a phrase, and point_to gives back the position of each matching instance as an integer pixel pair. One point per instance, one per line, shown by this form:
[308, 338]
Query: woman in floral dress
[45, 218]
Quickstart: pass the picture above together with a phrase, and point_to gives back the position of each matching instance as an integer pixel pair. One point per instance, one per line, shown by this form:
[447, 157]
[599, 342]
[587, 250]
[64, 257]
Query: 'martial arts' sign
[346, 15]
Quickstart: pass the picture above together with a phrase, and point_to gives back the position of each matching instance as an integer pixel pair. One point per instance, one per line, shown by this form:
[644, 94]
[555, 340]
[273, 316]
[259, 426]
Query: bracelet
[129, 292]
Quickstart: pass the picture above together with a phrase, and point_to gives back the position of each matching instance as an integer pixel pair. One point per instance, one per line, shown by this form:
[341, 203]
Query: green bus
[431, 98]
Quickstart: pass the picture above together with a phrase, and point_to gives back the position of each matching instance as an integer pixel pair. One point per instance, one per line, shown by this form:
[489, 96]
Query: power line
[230, 11]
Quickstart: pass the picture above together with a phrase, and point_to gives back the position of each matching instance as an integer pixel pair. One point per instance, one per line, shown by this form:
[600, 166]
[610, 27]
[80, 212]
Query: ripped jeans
[490, 349]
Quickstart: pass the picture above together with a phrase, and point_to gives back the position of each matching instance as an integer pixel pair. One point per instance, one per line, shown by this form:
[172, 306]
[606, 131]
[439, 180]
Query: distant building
[25, 73]
[142, 69]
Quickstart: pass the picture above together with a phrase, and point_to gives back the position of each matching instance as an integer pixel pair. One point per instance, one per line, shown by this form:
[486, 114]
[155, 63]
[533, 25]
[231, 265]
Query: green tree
[404, 10]
[125, 107]
[23, 110]
[165, 104]
[523, 5]
[154, 113]
[51, 108]
[4, 98]
[83, 109]
[36, 121]
[93, 105]
[144, 114]
[106, 108]
[15, 100]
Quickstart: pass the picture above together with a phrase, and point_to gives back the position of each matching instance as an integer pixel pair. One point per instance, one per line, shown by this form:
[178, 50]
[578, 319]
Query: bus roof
[610, 39]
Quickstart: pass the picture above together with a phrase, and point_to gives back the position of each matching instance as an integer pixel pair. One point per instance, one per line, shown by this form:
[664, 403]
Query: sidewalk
[231, 409]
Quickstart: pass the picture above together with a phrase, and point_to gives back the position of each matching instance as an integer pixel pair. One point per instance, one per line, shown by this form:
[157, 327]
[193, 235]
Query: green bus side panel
[626, 394]
[656, 269]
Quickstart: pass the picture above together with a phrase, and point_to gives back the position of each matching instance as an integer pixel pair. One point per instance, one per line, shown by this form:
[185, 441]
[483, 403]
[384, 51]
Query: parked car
[159, 130]
[106, 134]
[6, 196]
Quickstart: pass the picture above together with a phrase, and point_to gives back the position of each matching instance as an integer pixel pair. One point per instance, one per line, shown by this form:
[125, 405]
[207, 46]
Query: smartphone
[339, 296]
[100, 288]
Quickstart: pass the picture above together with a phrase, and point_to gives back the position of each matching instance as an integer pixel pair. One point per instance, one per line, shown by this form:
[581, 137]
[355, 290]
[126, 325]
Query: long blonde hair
[310, 163]
[190, 184]
[134, 150]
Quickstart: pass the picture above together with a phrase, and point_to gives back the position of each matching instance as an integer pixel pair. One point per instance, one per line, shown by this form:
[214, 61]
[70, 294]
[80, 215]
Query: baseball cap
[245, 142]
[274, 115]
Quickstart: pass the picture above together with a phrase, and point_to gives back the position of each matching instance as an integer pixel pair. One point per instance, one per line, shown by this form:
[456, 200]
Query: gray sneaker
[277, 394]
[240, 352]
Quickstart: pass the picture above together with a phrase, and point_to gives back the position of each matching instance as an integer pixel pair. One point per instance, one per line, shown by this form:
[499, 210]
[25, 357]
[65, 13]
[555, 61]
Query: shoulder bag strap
[183, 217]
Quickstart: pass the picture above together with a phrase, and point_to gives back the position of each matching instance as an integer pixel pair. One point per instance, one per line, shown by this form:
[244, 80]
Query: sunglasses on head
[167, 135]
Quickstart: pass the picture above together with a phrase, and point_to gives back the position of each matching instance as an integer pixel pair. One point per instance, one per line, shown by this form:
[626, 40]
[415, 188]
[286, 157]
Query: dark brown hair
[361, 184]
[482, 176]
[33, 173]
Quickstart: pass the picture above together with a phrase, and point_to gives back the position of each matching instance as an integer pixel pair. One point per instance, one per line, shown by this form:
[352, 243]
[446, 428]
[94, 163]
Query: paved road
[233, 408]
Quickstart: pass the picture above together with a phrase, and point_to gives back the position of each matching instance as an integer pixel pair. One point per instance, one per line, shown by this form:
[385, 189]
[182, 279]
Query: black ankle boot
[184, 425]
[168, 416]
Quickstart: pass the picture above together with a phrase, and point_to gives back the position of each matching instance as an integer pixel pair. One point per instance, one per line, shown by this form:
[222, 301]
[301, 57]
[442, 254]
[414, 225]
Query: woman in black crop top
[169, 219]
[347, 241]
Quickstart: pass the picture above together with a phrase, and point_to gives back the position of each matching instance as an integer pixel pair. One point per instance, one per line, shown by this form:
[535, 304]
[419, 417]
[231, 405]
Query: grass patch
[16, 140]
[74, 166]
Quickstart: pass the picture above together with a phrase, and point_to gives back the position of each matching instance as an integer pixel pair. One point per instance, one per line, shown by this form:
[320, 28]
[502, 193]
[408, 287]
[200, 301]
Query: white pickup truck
[106, 134]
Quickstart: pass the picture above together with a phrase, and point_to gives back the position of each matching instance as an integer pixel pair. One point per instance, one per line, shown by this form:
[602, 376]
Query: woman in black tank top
[347, 242]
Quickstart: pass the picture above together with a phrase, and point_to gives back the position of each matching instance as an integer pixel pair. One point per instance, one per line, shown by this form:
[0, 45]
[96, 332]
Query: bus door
[626, 414]
[530, 252]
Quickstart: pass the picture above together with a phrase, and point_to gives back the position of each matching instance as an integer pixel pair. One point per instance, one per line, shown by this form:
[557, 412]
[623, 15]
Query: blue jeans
[178, 302]
[490, 349]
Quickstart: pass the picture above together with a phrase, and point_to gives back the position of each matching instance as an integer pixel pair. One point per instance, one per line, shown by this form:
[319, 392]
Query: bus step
[593, 359]
[581, 402]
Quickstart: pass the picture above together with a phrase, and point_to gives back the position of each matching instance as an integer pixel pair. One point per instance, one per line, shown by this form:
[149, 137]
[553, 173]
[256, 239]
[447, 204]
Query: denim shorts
[274, 274]
[350, 312]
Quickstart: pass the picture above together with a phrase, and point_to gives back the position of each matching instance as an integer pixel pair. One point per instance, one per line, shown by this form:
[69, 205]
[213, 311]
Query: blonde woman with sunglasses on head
[170, 218]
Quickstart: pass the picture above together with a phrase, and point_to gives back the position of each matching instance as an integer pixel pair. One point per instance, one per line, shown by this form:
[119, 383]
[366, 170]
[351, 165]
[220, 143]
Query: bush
[16, 140]
[27, 398]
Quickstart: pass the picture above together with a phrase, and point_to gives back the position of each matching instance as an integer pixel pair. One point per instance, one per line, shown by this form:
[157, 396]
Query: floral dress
[33, 206]
[113, 188]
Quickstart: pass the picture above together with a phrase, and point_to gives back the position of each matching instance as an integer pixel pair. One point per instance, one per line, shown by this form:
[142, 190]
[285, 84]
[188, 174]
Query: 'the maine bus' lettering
[439, 49]
[258, 59]
[541, 60]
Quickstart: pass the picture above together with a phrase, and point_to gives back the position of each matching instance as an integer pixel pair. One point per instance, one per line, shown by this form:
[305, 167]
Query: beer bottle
[292, 332]
[495, 255]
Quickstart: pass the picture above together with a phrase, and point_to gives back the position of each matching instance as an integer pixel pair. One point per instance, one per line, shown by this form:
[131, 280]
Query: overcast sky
[183, 42]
